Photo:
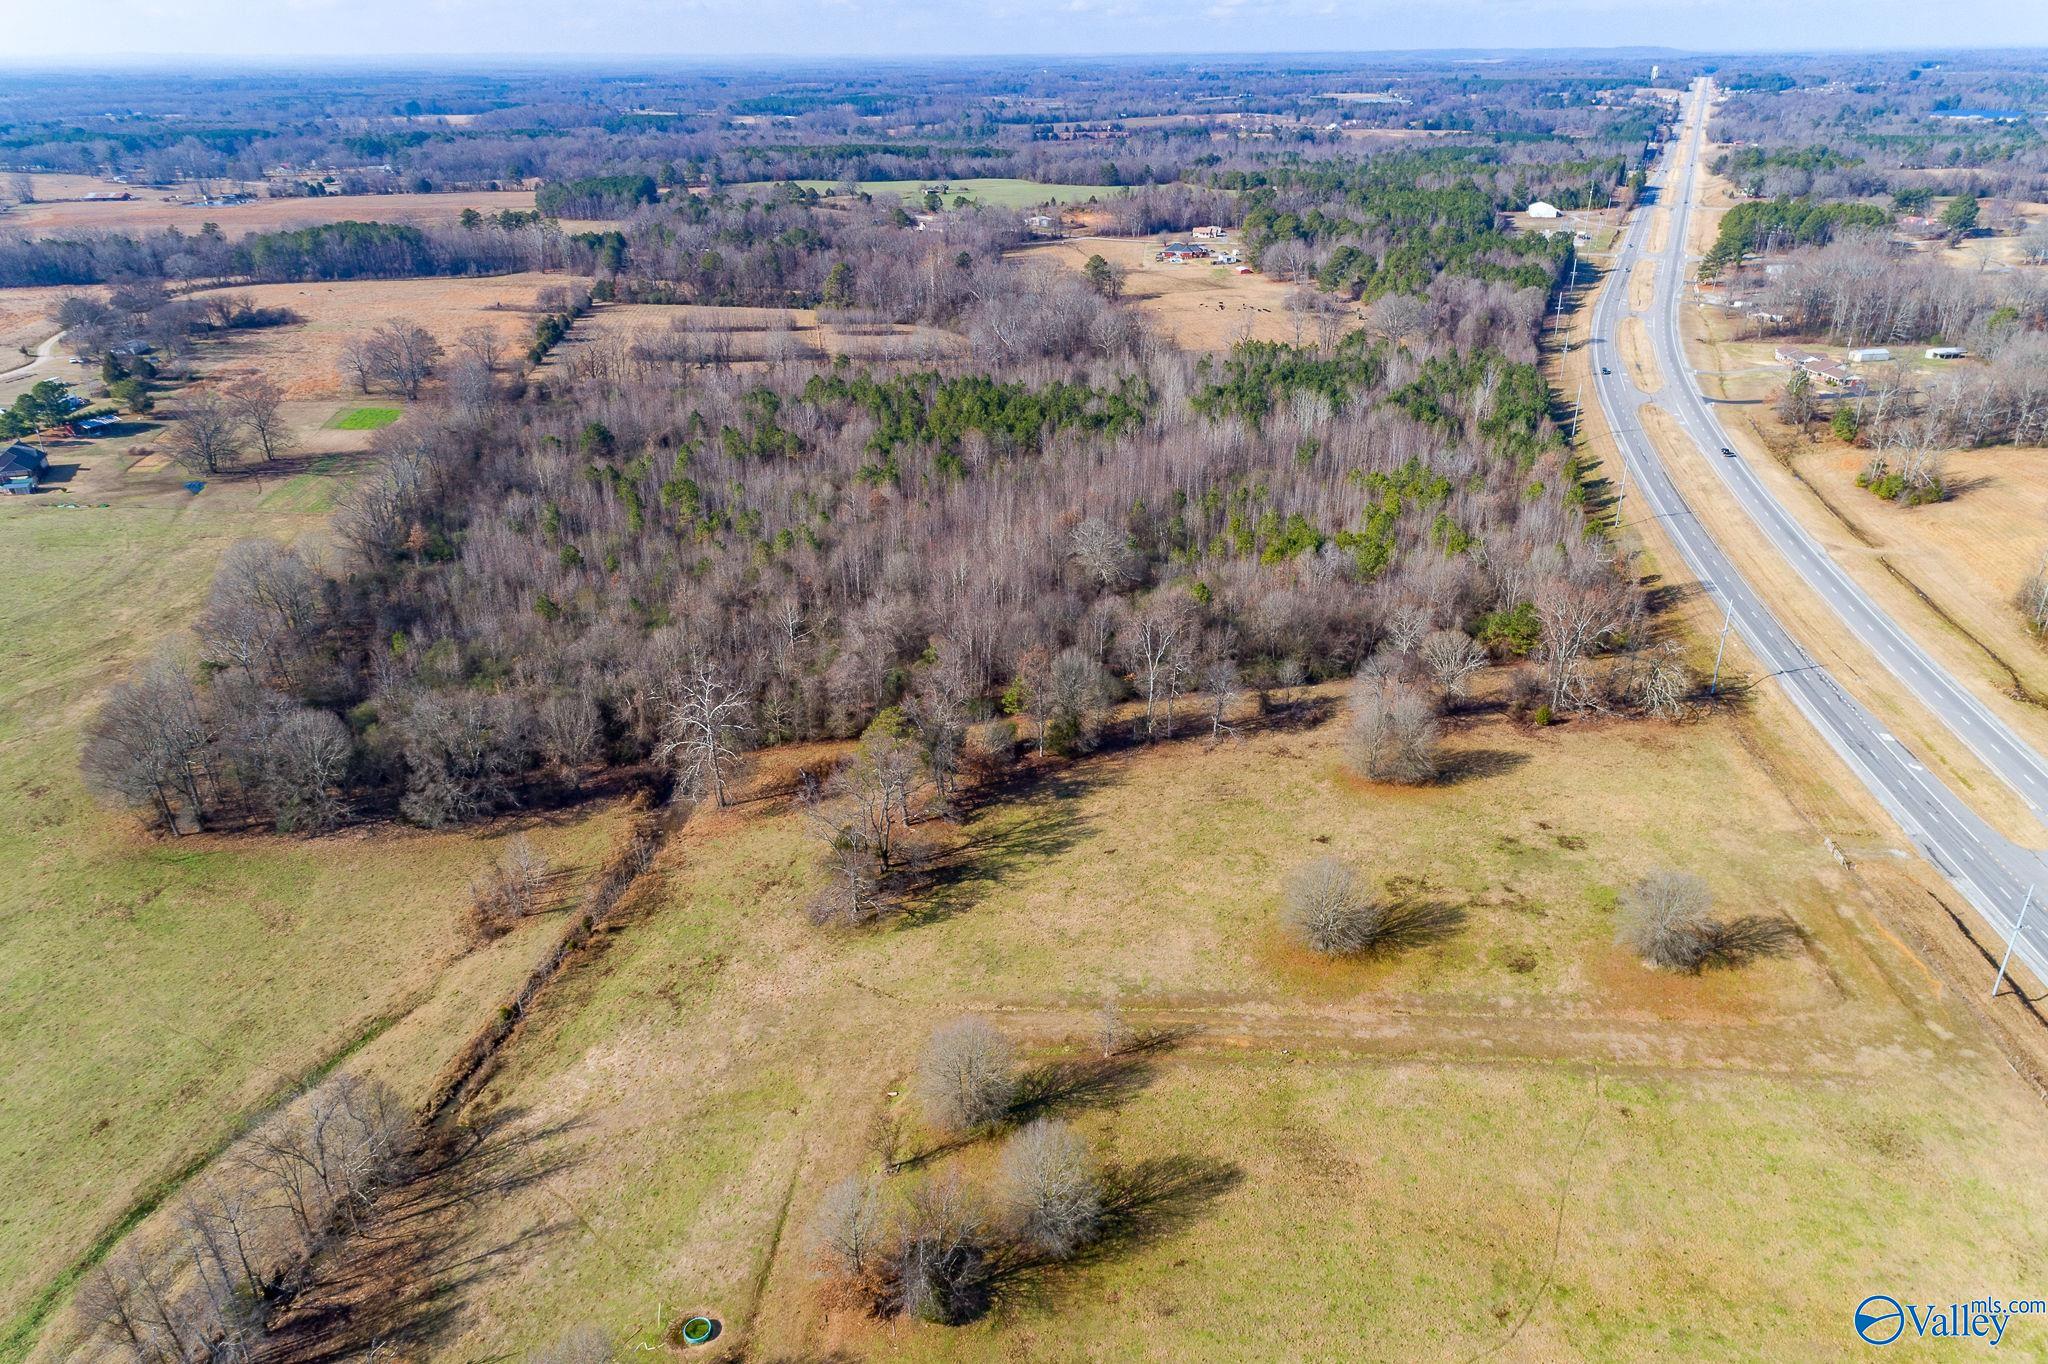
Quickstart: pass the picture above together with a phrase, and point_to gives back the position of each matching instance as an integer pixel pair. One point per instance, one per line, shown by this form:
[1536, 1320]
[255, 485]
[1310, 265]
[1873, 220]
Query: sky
[86, 30]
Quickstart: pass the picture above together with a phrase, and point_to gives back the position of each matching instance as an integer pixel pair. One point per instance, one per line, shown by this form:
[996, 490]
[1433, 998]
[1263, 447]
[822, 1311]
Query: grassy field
[994, 192]
[364, 418]
[305, 358]
[153, 992]
[65, 210]
[1515, 1138]
[1198, 307]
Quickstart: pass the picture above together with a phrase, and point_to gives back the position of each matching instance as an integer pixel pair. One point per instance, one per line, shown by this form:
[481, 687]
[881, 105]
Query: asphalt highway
[1991, 871]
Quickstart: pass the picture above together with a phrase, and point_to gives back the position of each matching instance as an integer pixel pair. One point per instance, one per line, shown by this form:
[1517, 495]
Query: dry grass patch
[1199, 307]
[1637, 355]
[691, 1098]
[153, 210]
[697, 333]
[1642, 285]
[305, 358]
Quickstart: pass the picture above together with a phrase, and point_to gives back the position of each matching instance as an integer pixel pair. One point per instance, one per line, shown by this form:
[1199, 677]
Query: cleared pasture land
[25, 320]
[1516, 1122]
[305, 358]
[696, 333]
[155, 991]
[153, 210]
[1198, 307]
[996, 192]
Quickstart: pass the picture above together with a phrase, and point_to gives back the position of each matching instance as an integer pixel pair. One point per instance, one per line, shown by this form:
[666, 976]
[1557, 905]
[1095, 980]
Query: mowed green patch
[1397, 1136]
[154, 992]
[363, 418]
[996, 192]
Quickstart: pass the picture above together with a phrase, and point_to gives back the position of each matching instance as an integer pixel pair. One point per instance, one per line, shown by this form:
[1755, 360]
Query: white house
[1540, 209]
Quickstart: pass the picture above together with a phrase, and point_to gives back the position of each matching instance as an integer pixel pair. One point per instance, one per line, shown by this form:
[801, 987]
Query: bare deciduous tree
[704, 723]
[1666, 920]
[2032, 598]
[1323, 907]
[1393, 731]
[510, 889]
[966, 1077]
[1103, 553]
[1451, 657]
[1222, 686]
[942, 1254]
[305, 771]
[847, 1230]
[1578, 613]
[358, 362]
[1156, 647]
[1657, 681]
[147, 744]
[402, 354]
[1052, 1193]
[258, 404]
[208, 434]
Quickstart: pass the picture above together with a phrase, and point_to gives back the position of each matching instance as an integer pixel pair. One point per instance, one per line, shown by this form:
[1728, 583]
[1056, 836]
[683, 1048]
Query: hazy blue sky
[643, 28]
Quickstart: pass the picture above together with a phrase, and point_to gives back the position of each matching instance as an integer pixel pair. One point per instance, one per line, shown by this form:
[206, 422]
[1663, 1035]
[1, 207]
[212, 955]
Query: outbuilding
[1946, 352]
[1869, 355]
[1541, 209]
[22, 468]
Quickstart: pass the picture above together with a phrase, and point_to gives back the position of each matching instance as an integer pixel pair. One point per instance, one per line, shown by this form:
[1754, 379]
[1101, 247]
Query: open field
[25, 320]
[705, 333]
[152, 210]
[995, 192]
[157, 991]
[363, 418]
[1199, 307]
[1395, 1143]
[305, 357]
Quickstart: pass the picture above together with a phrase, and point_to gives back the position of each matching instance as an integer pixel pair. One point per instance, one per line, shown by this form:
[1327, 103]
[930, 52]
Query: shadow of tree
[1474, 764]
[1415, 923]
[1001, 845]
[1142, 1203]
[1068, 1086]
[400, 1279]
[1747, 938]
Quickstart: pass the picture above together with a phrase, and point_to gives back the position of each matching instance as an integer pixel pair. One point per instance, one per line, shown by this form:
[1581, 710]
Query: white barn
[1540, 209]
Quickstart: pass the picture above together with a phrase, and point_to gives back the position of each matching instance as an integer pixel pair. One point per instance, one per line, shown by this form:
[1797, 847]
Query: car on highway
[1727, 453]
[1605, 370]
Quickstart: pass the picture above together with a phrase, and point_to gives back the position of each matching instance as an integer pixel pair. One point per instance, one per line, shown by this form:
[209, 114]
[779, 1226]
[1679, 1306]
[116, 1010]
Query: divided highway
[1991, 871]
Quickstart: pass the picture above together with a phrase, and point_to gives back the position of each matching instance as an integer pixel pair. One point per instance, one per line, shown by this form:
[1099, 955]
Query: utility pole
[2018, 924]
[1727, 619]
[1578, 398]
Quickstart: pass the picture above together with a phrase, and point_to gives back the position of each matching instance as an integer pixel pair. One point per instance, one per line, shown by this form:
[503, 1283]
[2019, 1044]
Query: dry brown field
[304, 358]
[700, 333]
[1199, 307]
[60, 209]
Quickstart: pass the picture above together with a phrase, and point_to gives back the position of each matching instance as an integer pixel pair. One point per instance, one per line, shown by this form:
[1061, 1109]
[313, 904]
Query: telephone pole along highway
[1993, 873]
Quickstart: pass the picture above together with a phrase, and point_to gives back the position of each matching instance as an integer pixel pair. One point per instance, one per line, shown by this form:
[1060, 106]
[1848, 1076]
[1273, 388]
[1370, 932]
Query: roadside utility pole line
[1720, 649]
[2018, 924]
